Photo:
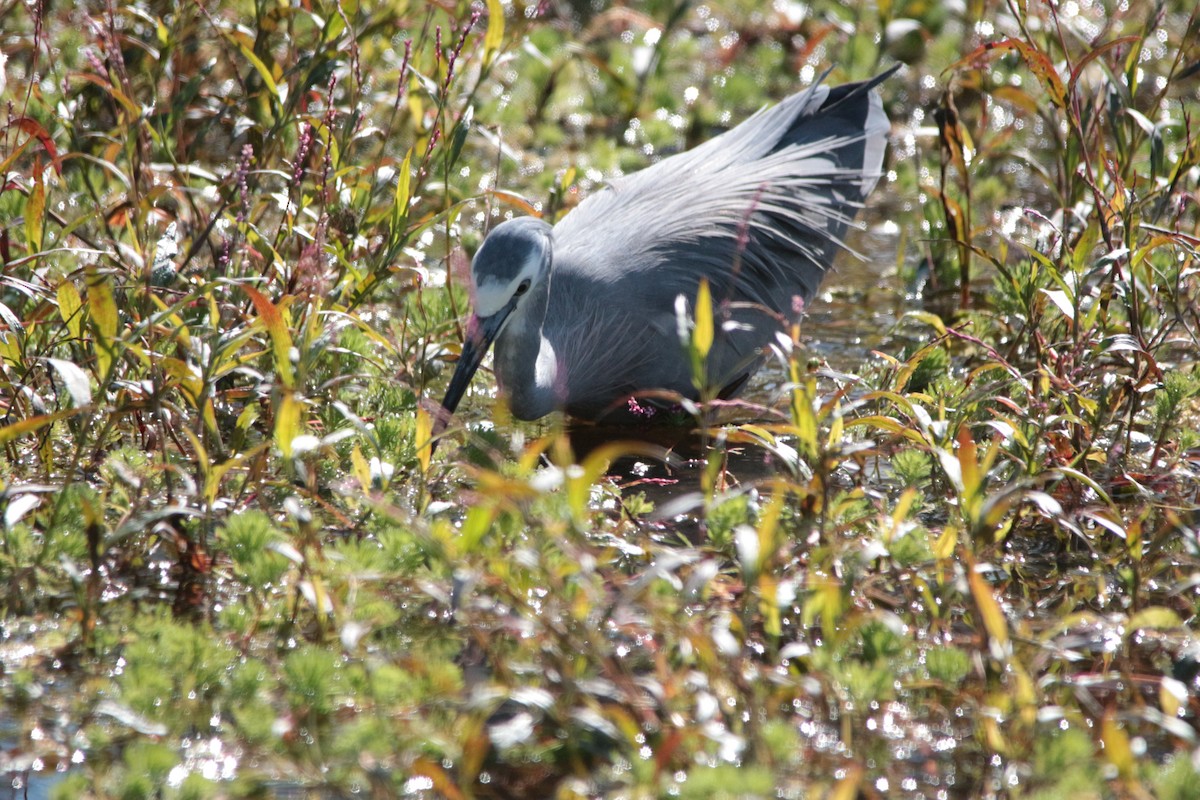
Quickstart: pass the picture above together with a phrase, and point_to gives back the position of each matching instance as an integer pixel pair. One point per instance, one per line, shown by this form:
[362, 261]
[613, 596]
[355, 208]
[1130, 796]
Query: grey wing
[759, 211]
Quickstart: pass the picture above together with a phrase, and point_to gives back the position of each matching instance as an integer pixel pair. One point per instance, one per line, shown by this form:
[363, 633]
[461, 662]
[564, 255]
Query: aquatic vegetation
[947, 546]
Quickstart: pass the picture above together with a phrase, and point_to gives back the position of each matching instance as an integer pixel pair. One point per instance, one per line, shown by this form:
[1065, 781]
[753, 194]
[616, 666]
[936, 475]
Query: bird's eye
[523, 288]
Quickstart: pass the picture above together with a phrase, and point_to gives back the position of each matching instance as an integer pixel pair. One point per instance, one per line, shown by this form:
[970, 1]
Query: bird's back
[760, 212]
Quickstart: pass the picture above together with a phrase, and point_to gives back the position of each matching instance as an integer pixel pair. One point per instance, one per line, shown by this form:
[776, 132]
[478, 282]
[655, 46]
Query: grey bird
[584, 314]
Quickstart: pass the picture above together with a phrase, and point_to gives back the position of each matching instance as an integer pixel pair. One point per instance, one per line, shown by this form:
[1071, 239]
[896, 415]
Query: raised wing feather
[760, 211]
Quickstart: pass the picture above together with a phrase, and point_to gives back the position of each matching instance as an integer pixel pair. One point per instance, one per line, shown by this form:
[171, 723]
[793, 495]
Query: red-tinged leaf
[1037, 61]
[953, 135]
[35, 129]
[7, 162]
[281, 340]
[955, 216]
[517, 202]
[1094, 53]
[666, 749]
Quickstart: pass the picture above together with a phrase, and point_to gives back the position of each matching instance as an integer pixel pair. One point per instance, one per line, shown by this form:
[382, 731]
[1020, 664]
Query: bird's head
[513, 261]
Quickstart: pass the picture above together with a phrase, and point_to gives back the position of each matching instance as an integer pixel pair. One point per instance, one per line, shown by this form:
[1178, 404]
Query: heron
[585, 315]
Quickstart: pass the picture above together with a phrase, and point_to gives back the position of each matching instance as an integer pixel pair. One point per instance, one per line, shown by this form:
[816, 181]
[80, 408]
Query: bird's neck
[526, 364]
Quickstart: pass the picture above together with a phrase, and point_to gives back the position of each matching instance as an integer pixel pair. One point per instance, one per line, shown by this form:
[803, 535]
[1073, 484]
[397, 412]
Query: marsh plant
[952, 555]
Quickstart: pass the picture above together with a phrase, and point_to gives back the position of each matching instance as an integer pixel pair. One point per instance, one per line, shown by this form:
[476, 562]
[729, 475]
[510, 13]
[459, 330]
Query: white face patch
[492, 293]
[491, 296]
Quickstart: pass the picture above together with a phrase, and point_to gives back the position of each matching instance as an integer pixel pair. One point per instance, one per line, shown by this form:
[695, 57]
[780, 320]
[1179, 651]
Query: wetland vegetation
[948, 546]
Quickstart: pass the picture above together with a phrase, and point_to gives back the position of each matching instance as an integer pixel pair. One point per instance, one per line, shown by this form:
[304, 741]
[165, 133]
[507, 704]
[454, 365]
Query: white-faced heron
[583, 314]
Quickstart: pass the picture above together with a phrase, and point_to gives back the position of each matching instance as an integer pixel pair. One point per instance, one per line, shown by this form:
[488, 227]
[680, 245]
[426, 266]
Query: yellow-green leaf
[259, 65]
[1158, 618]
[495, 30]
[804, 419]
[209, 415]
[403, 192]
[946, 543]
[102, 308]
[478, 522]
[930, 319]
[214, 477]
[968, 463]
[188, 377]
[31, 424]
[1117, 748]
[758, 431]
[360, 468]
[994, 621]
[424, 438]
[288, 423]
[1172, 694]
[10, 348]
[35, 211]
[199, 453]
[70, 308]
[247, 417]
[904, 505]
[702, 336]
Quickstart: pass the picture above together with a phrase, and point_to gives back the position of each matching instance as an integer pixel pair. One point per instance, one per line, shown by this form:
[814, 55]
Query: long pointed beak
[481, 332]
